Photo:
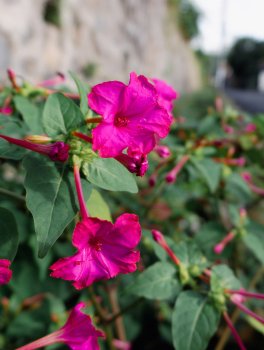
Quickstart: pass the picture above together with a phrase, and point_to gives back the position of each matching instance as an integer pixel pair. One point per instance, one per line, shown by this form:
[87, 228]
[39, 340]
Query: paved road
[248, 100]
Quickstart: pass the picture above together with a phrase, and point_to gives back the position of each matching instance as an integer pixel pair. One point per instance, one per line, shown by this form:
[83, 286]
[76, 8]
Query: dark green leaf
[109, 174]
[51, 199]
[30, 113]
[83, 89]
[208, 236]
[190, 255]
[210, 171]
[61, 115]
[222, 277]
[11, 127]
[8, 236]
[156, 282]
[194, 321]
[254, 240]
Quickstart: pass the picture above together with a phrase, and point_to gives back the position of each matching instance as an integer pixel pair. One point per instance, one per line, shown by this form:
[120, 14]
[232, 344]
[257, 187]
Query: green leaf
[51, 199]
[11, 127]
[61, 115]
[254, 240]
[209, 170]
[30, 113]
[194, 321]
[9, 235]
[190, 255]
[97, 207]
[208, 236]
[83, 89]
[156, 282]
[109, 174]
[222, 277]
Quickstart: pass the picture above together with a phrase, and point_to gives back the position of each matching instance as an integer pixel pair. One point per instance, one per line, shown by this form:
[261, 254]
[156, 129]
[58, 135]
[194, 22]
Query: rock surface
[114, 36]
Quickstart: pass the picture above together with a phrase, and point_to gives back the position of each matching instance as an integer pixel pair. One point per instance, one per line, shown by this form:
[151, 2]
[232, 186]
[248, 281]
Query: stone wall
[114, 36]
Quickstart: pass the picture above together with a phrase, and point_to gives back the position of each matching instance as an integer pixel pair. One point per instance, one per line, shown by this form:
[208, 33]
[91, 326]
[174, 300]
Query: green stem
[12, 195]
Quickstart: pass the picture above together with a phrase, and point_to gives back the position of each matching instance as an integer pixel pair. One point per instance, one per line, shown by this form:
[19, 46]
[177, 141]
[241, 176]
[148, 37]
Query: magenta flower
[78, 333]
[218, 248]
[250, 128]
[135, 162]
[5, 272]
[58, 151]
[162, 151]
[247, 177]
[171, 177]
[133, 119]
[166, 94]
[6, 110]
[104, 250]
[57, 80]
[160, 239]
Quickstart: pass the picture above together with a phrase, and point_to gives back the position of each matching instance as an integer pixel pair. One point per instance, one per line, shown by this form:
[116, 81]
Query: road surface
[248, 100]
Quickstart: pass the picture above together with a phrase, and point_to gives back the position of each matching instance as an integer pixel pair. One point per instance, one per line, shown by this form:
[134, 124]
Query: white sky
[242, 18]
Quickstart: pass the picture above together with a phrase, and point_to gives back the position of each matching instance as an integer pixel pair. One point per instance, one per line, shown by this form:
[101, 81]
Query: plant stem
[119, 324]
[78, 184]
[226, 333]
[12, 195]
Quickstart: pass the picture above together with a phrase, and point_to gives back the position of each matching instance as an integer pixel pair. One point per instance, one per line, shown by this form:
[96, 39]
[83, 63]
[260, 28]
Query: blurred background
[190, 43]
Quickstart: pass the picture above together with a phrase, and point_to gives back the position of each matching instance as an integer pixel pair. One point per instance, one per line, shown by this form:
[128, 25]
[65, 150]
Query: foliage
[209, 209]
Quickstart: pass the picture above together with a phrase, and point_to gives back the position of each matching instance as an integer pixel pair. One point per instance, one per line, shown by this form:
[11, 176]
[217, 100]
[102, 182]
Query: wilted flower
[78, 333]
[57, 151]
[7, 110]
[135, 162]
[132, 116]
[5, 272]
[104, 250]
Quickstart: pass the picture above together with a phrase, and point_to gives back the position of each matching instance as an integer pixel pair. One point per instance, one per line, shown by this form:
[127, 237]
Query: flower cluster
[5, 272]
[134, 117]
[132, 120]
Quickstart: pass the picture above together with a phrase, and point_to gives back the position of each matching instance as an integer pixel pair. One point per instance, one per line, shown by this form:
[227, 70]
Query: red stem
[82, 136]
[248, 312]
[82, 204]
[234, 331]
[246, 294]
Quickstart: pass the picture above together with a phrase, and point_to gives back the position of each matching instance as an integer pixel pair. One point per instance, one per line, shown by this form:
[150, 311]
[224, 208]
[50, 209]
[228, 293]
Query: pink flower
[5, 272]
[171, 177]
[218, 248]
[57, 80]
[160, 239]
[6, 110]
[58, 151]
[162, 151]
[132, 116]
[135, 162]
[166, 94]
[249, 128]
[78, 333]
[104, 250]
[247, 177]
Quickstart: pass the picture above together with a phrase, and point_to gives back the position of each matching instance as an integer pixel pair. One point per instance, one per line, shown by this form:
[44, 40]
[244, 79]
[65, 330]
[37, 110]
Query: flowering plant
[67, 160]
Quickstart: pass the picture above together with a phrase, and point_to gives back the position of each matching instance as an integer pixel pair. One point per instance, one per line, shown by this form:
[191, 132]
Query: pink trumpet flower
[136, 163]
[6, 110]
[104, 250]
[5, 272]
[57, 151]
[160, 239]
[133, 119]
[171, 177]
[57, 80]
[78, 333]
[221, 246]
[246, 176]
[162, 151]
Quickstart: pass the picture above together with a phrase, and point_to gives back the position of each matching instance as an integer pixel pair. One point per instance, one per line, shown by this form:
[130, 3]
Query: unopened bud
[39, 139]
